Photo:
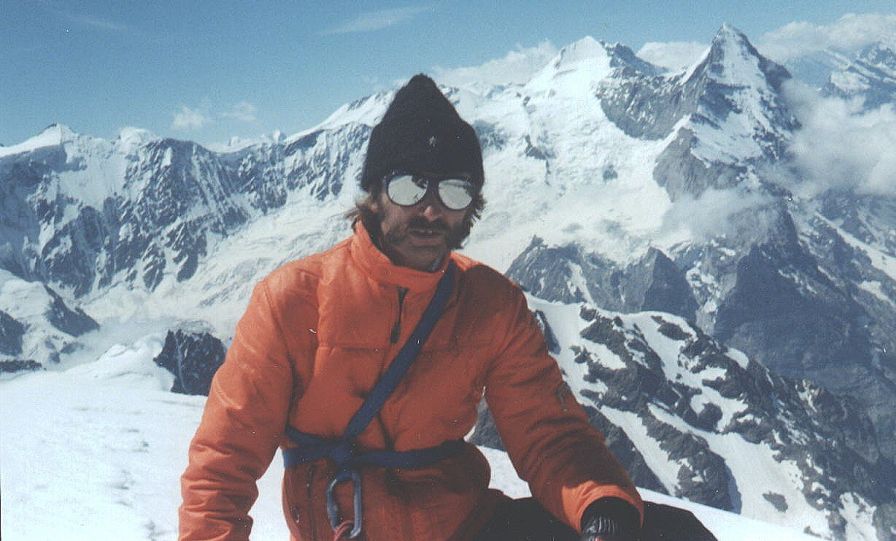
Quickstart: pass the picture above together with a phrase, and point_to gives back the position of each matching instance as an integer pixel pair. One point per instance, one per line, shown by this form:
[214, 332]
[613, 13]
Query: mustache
[422, 223]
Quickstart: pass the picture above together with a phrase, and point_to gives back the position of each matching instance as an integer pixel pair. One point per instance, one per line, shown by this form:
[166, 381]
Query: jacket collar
[379, 267]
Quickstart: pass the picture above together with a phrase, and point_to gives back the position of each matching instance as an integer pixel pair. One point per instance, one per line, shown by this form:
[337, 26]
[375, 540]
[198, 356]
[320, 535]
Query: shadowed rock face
[193, 357]
[18, 365]
[71, 321]
[11, 333]
[558, 273]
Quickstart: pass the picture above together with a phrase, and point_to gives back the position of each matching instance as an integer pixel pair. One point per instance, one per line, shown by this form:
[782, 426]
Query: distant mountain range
[732, 332]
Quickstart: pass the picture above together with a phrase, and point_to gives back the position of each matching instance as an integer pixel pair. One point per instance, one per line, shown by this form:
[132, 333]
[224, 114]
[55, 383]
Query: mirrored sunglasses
[408, 190]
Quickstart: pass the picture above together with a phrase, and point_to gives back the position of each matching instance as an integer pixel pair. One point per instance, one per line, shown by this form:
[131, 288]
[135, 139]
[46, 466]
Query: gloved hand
[610, 519]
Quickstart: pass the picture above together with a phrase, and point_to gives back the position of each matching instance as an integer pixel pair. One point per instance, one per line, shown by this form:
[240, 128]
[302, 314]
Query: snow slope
[95, 452]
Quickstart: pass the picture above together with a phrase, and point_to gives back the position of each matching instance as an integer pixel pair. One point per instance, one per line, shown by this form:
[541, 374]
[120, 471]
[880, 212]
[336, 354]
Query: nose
[430, 207]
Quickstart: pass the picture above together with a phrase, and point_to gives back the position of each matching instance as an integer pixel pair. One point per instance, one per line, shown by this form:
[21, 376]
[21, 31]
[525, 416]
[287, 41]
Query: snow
[53, 135]
[757, 468]
[874, 287]
[879, 257]
[655, 457]
[28, 303]
[739, 357]
[96, 451]
[859, 517]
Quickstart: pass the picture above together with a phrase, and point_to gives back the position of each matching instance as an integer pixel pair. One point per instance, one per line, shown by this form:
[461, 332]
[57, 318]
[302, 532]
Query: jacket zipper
[309, 485]
[396, 328]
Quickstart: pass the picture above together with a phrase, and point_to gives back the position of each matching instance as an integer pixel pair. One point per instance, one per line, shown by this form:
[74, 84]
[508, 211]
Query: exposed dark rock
[624, 450]
[651, 283]
[549, 337]
[11, 334]
[684, 174]
[779, 501]
[193, 357]
[672, 331]
[74, 322]
[485, 432]
[18, 365]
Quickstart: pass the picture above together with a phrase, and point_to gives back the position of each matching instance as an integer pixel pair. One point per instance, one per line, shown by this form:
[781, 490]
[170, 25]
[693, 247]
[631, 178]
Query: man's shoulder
[482, 277]
[302, 276]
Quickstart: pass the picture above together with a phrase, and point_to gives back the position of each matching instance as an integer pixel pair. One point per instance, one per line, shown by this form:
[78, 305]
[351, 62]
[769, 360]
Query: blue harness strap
[344, 452]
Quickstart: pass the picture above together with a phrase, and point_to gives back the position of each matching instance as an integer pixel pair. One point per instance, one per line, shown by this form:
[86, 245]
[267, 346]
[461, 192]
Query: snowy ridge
[123, 459]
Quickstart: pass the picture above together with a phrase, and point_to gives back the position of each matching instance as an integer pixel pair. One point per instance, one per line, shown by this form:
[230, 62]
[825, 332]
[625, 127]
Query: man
[321, 332]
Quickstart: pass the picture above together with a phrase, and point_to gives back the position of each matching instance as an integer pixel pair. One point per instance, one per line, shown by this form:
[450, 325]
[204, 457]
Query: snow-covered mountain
[709, 424]
[871, 76]
[610, 185]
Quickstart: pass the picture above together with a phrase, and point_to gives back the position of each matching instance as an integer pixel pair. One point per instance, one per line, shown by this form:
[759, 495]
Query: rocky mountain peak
[871, 76]
[732, 59]
[882, 55]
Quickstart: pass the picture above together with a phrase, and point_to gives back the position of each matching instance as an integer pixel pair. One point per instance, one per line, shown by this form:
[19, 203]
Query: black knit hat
[421, 132]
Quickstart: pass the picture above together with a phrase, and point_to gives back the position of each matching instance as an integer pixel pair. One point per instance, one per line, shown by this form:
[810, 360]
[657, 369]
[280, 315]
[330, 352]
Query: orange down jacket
[317, 335]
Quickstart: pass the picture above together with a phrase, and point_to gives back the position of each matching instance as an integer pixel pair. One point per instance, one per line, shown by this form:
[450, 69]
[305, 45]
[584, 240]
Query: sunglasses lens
[406, 190]
[456, 193]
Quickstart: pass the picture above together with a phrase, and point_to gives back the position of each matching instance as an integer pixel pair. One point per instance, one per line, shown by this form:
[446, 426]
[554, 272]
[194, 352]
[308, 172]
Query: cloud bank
[516, 67]
[848, 34]
[721, 212]
[841, 146]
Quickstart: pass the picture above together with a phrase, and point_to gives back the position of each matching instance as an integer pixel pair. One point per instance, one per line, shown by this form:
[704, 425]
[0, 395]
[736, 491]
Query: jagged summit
[732, 58]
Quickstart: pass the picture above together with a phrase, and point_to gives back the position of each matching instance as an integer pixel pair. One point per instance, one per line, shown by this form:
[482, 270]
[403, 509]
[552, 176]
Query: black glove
[611, 519]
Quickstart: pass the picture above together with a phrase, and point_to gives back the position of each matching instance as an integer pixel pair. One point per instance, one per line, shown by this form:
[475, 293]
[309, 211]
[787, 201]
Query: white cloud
[189, 119]
[672, 55]
[721, 212]
[517, 66]
[242, 111]
[377, 20]
[848, 34]
[840, 146]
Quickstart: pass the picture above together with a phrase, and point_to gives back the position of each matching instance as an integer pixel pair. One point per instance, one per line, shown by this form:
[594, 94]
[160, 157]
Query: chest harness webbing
[344, 451]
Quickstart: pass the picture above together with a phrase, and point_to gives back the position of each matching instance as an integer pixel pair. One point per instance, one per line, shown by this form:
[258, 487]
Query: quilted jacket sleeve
[241, 428]
[546, 432]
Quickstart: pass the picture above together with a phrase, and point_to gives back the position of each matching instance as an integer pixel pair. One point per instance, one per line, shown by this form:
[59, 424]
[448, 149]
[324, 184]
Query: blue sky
[209, 70]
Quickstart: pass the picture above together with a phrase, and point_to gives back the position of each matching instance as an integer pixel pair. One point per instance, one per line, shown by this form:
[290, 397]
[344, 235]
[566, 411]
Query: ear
[377, 203]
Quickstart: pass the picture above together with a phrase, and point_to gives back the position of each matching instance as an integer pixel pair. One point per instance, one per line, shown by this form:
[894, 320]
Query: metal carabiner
[333, 508]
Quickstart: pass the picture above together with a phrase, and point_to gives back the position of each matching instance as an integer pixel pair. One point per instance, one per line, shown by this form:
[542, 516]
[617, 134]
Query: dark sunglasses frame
[431, 183]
